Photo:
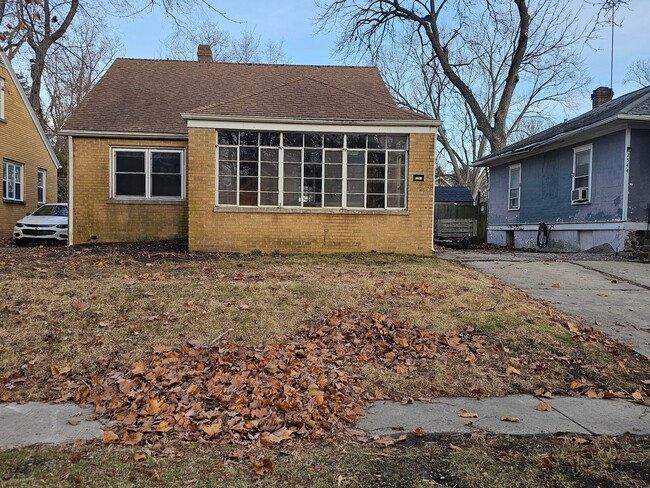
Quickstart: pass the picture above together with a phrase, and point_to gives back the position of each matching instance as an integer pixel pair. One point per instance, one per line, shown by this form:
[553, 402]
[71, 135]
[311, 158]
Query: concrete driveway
[613, 292]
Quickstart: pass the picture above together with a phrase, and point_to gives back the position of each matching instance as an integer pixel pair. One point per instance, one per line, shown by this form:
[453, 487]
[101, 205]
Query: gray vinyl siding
[546, 183]
[639, 193]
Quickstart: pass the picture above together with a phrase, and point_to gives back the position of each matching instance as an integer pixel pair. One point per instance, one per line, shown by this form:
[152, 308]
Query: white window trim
[147, 170]
[21, 197]
[510, 169]
[323, 149]
[41, 171]
[2, 99]
[576, 150]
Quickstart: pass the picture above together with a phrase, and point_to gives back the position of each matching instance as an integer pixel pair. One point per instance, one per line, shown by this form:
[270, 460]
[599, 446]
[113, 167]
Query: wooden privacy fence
[457, 220]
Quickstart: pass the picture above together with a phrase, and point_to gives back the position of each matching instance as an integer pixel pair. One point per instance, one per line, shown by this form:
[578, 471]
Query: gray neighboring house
[588, 178]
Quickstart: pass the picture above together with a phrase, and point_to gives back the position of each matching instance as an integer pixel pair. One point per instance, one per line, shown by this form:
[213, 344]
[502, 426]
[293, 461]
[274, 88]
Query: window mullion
[281, 172]
[344, 173]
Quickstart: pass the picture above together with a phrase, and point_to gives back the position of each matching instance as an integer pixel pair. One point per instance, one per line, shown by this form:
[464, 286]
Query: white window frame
[147, 171]
[576, 150]
[510, 170]
[5, 165]
[2, 99]
[344, 176]
[41, 173]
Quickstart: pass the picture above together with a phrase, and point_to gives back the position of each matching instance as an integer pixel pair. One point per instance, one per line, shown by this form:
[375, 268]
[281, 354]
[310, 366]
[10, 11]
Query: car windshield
[52, 211]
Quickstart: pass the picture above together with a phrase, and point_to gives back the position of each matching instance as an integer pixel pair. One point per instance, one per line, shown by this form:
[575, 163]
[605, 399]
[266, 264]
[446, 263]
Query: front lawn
[276, 356]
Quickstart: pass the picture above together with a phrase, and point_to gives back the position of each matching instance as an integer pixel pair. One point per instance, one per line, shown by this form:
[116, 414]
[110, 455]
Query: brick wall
[21, 143]
[220, 230]
[96, 214]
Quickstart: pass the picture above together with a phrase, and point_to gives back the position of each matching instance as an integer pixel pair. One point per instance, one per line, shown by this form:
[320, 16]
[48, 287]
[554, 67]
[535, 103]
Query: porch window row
[311, 170]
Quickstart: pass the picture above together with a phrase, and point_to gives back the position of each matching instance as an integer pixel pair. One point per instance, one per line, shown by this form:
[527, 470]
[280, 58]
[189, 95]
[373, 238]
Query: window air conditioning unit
[580, 195]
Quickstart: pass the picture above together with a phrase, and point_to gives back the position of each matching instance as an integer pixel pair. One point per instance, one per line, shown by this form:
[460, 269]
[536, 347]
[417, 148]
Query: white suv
[48, 223]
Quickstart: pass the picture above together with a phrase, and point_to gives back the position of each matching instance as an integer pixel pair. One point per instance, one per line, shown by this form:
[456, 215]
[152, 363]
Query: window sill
[580, 203]
[138, 201]
[3, 120]
[513, 209]
[326, 211]
[14, 202]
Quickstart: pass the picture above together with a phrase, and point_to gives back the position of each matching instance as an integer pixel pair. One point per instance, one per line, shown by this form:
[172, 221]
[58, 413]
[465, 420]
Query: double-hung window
[514, 187]
[41, 181]
[12, 181]
[311, 170]
[581, 189]
[148, 173]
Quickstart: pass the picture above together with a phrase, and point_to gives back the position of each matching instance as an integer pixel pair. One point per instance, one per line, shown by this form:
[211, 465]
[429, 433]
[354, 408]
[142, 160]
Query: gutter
[270, 123]
[122, 135]
[564, 135]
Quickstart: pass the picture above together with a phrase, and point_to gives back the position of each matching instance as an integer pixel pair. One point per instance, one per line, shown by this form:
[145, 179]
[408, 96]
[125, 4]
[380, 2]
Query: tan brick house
[29, 165]
[249, 156]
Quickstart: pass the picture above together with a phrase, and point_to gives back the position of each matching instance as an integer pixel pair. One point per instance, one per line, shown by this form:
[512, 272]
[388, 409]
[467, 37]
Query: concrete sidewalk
[571, 415]
[614, 293]
[45, 423]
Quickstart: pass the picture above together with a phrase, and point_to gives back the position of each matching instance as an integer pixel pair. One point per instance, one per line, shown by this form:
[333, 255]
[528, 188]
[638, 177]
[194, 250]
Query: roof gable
[632, 104]
[6, 64]
[149, 96]
[309, 98]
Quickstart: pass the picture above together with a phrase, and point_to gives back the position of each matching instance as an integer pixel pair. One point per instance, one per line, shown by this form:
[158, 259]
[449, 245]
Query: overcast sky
[293, 22]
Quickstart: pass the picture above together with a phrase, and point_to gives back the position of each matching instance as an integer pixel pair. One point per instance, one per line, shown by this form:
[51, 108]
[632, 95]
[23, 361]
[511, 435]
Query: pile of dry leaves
[238, 393]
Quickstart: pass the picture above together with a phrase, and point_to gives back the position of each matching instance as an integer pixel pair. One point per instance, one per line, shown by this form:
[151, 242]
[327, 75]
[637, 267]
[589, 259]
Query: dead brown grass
[98, 309]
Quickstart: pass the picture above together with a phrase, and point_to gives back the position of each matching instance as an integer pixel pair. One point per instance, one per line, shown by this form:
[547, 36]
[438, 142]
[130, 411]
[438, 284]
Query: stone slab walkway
[45, 423]
[616, 294]
[570, 415]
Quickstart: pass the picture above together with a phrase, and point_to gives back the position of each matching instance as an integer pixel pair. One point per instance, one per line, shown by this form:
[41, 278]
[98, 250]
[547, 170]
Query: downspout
[70, 191]
[626, 172]
[433, 194]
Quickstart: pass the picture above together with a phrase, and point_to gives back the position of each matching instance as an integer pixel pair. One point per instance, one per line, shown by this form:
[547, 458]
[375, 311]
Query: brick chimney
[204, 53]
[601, 95]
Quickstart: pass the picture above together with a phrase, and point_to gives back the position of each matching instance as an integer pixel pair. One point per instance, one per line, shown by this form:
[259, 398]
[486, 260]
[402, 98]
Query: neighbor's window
[514, 192]
[311, 170]
[12, 181]
[581, 191]
[41, 179]
[148, 173]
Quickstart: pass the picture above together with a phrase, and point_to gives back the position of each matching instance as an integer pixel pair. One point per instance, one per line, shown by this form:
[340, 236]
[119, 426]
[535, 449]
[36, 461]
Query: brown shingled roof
[137, 95]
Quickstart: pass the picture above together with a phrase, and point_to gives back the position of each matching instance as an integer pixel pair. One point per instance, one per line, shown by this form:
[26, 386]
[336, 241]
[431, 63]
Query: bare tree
[470, 82]
[41, 24]
[247, 48]
[527, 38]
[638, 72]
[72, 68]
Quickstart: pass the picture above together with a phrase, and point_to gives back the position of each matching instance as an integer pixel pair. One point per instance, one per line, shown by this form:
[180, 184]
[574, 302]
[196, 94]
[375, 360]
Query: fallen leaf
[263, 466]
[419, 432]
[555, 285]
[468, 415]
[212, 429]
[637, 395]
[132, 439]
[511, 370]
[544, 407]
[508, 418]
[109, 437]
[75, 457]
[454, 447]
[58, 370]
[573, 328]
[140, 456]
[74, 423]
